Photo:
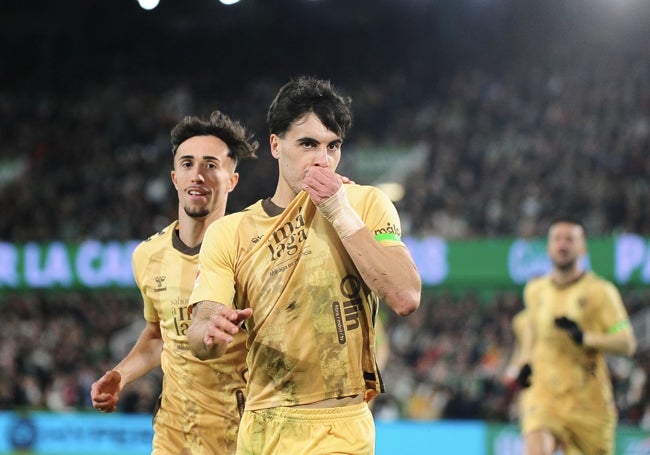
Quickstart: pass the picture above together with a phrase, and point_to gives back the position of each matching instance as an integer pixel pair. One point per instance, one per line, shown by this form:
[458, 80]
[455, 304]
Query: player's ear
[274, 142]
[234, 179]
[173, 177]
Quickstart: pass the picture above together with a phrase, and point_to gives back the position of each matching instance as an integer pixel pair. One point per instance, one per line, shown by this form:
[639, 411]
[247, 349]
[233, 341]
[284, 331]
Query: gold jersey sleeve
[559, 365]
[195, 392]
[311, 335]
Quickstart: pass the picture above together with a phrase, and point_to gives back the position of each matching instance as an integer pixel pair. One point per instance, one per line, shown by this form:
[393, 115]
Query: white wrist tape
[338, 211]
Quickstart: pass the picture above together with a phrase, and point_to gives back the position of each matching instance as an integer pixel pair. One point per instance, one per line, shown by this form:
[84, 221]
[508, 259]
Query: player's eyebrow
[206, 157]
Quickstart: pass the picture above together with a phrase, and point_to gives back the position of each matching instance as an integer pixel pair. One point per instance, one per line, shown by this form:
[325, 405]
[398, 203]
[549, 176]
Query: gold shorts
[300, 431]
[573, 418]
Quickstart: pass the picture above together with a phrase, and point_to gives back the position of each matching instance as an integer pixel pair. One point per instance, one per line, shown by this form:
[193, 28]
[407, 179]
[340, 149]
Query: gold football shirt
[201, 399]
[311, 335]
[558, 364]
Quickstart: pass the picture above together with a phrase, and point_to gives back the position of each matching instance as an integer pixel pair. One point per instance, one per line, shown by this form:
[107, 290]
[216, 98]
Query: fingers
[224, 325]
[105, 403]
[244, 314]
[320, 183]
[345, 179]
[229, 319]
[104, 392]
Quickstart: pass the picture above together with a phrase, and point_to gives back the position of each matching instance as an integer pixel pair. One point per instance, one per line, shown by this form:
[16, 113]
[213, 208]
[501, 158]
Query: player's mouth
[197, 192]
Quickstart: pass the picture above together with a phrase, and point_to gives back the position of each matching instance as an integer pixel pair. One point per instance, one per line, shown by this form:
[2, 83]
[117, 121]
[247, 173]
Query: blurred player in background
[574, 318]
[304, 271]
[520, 324]
[201, 401]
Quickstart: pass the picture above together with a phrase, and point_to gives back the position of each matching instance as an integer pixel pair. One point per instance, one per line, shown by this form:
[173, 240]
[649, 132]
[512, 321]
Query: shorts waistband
[290, 413]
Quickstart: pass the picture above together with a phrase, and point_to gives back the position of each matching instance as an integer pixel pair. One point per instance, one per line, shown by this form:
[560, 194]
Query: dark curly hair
[304, 95]
[239, 141]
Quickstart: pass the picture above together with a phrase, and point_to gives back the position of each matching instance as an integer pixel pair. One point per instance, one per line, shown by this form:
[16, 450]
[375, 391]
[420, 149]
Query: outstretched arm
[143, 357]
[213, 327]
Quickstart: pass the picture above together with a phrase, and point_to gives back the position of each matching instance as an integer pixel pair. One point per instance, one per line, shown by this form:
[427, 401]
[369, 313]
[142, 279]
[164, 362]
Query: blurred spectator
[56, 343]
[508, 145]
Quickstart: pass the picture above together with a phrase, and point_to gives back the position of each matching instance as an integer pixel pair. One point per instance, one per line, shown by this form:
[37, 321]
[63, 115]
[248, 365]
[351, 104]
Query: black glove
[571, 327]
[523, 378]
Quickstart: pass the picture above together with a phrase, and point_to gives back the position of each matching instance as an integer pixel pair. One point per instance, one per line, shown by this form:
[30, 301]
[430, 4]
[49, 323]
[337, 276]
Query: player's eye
[334, 147]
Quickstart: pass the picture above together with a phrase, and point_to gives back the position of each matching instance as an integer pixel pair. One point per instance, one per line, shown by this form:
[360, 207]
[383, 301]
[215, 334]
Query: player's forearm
[623, 343]
[143, 357]
[201, 344]
[526, 343]
[137, 365]
[388, 271]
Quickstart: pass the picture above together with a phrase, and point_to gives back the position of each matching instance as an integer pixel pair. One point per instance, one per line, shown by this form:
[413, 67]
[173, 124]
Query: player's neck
[283, 195]
[562, 277]
[191, 230]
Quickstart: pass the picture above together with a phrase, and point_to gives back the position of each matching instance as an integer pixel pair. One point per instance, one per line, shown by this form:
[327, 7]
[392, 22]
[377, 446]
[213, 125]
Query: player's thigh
[594, 432]
[539, 442]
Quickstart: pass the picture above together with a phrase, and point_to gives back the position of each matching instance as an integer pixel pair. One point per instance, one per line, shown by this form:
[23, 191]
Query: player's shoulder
[231, 221]
[358, 189]
[157, 240]
[594, 280]
[236, 217]
[592, 277]
[537, 282]
[368, 193]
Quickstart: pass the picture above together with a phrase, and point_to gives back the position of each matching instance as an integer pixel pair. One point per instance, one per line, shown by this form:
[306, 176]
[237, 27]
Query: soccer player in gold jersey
[574, 318]
[519, 327]
[201, 401]
[303, 272]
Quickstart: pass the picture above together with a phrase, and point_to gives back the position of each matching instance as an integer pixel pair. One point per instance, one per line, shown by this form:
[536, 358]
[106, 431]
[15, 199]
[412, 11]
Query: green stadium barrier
[485, 263]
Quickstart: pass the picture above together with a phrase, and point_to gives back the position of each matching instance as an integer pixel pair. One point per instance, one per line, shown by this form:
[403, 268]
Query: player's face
[306, 143]
[203, 175]
[566, 244]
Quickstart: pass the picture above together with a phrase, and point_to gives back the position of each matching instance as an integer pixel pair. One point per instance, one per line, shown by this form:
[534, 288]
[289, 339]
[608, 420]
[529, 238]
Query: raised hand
[571, 328]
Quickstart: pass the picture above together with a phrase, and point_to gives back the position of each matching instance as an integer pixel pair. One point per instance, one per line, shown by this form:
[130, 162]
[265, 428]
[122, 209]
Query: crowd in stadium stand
[506, 149]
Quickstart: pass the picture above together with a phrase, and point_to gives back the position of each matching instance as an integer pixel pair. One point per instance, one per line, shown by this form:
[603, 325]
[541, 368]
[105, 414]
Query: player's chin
[563, 263]
[197, 211]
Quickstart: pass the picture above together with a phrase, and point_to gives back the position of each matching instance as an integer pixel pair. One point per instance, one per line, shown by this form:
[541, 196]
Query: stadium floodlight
[229, 2]
[148, 4]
